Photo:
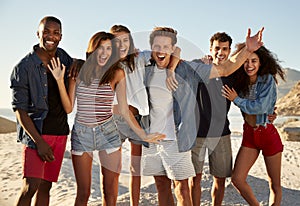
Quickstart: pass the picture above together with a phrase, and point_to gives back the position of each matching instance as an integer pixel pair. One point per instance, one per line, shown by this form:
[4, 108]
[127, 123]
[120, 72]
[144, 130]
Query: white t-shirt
[161, 113]
[135, 88]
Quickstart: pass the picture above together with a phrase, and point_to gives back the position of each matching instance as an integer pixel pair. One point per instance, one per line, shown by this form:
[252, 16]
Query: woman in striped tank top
[99, 80]
[256, 85]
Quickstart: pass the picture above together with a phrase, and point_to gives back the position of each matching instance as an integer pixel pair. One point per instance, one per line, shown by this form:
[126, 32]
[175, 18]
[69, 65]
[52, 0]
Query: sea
[234, 115]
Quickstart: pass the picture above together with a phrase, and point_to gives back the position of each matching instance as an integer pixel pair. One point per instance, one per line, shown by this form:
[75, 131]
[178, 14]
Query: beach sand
[63, 192]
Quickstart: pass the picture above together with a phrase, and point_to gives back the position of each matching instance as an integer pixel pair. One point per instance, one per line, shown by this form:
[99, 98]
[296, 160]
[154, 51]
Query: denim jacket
[30, 90]
[185, 109]
[264, 103]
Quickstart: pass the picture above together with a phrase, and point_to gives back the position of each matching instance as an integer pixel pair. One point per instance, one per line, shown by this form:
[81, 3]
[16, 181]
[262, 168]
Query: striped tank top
[94, 103]
[252, 92]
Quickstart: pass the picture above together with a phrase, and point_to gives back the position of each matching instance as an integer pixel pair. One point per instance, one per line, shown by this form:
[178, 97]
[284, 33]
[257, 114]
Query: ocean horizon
[235, 118]
[234, 115]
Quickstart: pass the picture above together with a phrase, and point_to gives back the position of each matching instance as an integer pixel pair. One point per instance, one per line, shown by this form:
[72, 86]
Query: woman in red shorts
[256, 86]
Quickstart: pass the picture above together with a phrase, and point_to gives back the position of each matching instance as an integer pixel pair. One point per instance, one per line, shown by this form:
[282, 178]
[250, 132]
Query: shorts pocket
[110, 129]
[118, 118]
[78, 130]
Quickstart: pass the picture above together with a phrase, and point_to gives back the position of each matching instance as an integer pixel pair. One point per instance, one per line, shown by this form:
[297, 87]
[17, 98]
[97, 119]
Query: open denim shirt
[264, 103]
[30, 90]
[185, 109]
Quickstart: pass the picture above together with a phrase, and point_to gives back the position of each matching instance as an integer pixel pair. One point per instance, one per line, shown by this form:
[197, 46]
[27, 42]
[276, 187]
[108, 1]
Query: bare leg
[43, 193]
[163, 186]
[83, 173]
[182, 192]
[29, 188]
[273, 165]
[195, 189]
[218, 189]
[245, 159]
[110, 172]
[135, 170]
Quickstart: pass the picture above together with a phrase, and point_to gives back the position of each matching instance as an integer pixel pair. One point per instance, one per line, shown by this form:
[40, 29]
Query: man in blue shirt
[41, 118]
[170, 161]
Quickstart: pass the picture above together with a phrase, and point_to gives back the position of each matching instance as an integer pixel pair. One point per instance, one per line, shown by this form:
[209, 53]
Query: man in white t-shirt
[174, 114]
[164, 161]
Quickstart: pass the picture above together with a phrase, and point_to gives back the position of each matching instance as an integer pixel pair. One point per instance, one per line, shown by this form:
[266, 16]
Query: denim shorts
[126, 132]
[102, 137]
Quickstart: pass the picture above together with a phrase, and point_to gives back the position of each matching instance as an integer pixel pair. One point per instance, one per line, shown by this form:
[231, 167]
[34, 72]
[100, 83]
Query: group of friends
[171, 110]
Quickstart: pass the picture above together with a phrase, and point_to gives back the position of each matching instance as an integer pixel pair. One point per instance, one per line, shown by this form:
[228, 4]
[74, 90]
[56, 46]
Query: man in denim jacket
[171, 160]
[41, 118]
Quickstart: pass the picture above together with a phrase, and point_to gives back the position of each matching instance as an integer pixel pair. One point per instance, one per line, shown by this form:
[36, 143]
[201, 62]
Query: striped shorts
[165, 159]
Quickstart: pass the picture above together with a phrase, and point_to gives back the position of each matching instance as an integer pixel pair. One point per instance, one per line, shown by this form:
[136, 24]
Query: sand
[63, 192]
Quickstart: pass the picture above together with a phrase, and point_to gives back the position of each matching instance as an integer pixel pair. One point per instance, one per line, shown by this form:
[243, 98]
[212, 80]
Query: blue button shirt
[265, 99]
[185, 109]
[30, 90]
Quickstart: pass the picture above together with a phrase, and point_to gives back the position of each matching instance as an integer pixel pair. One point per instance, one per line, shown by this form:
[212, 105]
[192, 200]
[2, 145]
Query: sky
[195, 21]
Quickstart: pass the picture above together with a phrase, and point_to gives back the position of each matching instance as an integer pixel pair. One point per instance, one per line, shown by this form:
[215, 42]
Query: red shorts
[33, 166]
[262, 138]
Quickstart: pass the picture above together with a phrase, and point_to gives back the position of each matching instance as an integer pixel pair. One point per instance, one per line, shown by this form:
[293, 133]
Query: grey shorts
[219, 155]
[126, 132]
[165, 159]
[89, 139]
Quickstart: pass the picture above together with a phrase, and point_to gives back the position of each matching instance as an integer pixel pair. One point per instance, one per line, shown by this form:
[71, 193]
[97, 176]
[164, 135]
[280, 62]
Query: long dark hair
[129, 59]
[269, 64]
[106, 74]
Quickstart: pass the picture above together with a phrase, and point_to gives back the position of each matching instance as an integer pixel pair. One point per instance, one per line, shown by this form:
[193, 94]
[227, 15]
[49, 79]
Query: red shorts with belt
[265, 138]
[33, 166]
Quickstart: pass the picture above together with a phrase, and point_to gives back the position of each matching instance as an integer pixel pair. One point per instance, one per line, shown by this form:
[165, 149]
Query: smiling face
[49, 35]
[251, 66]
[162, 49]
[123, 43]
[104, 52]
[220, 51]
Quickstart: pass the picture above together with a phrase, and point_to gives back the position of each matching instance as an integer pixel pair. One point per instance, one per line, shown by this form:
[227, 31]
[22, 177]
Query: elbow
[68, 111]
[223, 73]
[220, 70]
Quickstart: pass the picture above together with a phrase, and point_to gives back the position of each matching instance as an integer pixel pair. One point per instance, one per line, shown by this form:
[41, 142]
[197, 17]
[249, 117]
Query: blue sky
[195, 22]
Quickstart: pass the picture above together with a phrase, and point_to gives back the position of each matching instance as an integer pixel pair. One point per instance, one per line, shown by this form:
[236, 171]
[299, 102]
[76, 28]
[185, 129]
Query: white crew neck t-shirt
[161, 112]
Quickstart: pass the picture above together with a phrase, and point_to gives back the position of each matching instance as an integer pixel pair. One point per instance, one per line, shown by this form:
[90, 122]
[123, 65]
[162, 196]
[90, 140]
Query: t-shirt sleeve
[201, 70]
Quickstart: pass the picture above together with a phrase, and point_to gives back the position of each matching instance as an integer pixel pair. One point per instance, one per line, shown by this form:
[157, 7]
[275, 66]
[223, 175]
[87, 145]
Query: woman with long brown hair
[100, 78]
[256, 86]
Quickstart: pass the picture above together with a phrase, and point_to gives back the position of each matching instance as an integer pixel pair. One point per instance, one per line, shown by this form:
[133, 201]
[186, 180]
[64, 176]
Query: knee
[219, 182]
[182, 190]
[29, 191]
[30, 186]
[237, 181]
[45, 186]
[162, 183]
[195, 181]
